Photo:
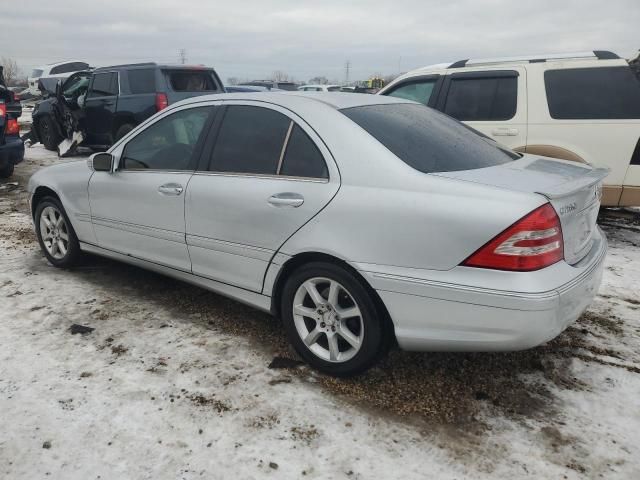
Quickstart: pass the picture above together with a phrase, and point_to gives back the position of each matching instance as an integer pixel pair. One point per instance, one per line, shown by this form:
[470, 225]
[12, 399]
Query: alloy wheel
[328, 319]
[54, 232]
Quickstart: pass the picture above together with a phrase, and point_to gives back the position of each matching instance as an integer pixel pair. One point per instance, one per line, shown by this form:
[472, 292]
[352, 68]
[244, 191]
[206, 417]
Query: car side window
[168, 144]
[250, 140]
[302, 158]
[482, 98]
[104, 85]
[418, 91]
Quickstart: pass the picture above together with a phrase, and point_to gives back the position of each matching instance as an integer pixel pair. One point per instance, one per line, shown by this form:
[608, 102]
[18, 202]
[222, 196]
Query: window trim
[444, 93]
[207, 153]
[435, 93]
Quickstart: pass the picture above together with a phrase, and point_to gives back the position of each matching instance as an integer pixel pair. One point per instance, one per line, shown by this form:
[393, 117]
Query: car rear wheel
[7, 170]
[48, 134]
[332, 320]
[56, 236]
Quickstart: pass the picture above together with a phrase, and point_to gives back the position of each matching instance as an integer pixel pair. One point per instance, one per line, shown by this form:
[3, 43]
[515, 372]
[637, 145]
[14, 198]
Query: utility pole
[347, 66]
[400, 64]
[182, 55]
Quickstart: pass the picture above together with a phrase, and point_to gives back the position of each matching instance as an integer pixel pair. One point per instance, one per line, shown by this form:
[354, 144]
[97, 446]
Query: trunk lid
[573, 189]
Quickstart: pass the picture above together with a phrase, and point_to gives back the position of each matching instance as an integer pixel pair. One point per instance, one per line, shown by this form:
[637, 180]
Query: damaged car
[11, 146]
[96, 108]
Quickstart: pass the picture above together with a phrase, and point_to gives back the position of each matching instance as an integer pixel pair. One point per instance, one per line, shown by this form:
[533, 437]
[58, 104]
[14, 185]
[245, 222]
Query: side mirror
[101, 162]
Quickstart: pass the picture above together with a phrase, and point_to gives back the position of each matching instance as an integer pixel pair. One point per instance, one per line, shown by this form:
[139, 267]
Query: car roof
[336, 100]
[132, 66]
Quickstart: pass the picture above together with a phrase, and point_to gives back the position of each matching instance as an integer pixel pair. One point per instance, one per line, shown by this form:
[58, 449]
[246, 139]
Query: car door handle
[170, 189]
[504, 132]
[286, 199]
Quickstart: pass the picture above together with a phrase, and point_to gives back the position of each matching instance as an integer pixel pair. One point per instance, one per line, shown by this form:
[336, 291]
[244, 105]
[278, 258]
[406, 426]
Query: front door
[138, 209]
[100, 107]
[266, 176]
[493, 102]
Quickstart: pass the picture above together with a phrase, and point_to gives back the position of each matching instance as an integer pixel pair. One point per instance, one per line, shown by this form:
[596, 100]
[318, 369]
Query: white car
[359, 220]
[583, 107]
[319, 88]
[54, 70]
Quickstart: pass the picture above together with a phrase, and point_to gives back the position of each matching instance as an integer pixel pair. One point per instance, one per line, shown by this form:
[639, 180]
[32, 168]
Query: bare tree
[11, 71]
[280, 76]
[319, 80]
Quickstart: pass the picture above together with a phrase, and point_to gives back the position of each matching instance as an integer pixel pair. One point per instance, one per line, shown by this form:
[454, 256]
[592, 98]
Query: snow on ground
[174, 382]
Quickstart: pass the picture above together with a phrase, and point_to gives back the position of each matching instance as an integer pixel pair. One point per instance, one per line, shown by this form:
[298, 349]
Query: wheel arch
[40, 193]
[120, 120]
[304, 258]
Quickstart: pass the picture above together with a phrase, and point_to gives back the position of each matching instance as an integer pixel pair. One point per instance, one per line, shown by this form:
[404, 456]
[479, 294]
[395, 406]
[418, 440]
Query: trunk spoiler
[567, 188]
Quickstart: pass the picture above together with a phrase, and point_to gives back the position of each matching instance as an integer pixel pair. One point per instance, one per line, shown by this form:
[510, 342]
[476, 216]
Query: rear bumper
[434, 315]
[12, 151]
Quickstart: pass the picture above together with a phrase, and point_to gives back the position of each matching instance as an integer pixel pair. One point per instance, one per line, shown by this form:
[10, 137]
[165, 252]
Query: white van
[583, 107]
[57, 70]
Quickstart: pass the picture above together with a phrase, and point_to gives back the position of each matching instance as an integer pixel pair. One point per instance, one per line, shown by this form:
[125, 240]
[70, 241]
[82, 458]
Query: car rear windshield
[191, 81]
[428, 140]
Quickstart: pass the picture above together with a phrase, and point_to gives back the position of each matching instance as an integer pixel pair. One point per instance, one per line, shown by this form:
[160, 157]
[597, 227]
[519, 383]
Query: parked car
[581, 107]
[107, 103]
[271, 85]
[60, 70]
[244, 88]
[319, 88]
[360, 220]
[11, 146]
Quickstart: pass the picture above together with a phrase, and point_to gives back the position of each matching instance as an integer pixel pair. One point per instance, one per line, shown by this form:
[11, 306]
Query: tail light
[16, 97]
[533, 242]
[3, 109]
[12, 127]
[162, 101]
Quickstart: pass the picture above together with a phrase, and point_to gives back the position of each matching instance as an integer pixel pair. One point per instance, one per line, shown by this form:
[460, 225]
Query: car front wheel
[332, 320]
[56, 236]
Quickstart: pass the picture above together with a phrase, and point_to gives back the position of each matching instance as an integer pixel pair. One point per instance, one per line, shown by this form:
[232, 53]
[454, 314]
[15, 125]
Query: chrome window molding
[262, 175]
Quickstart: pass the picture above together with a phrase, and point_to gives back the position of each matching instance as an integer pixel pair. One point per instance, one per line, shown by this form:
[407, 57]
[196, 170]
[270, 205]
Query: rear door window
[104, 85]
[482, 98]
[593, 93]
[142, 80]
[191, 81]
[250, 140]
[302, 158]
[426, 139]
[418, 91]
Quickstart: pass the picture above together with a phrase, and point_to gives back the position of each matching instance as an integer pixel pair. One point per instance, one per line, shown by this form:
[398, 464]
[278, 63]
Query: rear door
[264, 177]
[100, 107]
[493, 102]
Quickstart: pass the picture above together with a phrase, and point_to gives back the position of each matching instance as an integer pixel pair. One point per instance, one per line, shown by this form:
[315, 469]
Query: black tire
[48, 133]
[7, 170]
[370, 328]
[73, 253]
[123, 130]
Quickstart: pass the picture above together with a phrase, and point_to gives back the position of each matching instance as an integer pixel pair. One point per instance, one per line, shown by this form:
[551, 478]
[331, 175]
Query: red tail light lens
[3, 109]
[162, 101]
[532, 243]
[12, 127]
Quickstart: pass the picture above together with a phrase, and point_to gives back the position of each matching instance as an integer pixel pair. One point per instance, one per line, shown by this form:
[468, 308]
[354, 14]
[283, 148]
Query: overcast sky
[251, 39]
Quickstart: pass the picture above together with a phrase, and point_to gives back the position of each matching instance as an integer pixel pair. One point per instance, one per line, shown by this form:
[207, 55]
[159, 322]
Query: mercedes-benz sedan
[361, 221]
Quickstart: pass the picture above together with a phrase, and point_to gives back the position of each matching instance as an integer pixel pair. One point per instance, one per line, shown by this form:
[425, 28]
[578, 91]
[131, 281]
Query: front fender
[69, 182]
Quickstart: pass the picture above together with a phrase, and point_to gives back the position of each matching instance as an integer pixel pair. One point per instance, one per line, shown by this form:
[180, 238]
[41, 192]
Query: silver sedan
[361, 221]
